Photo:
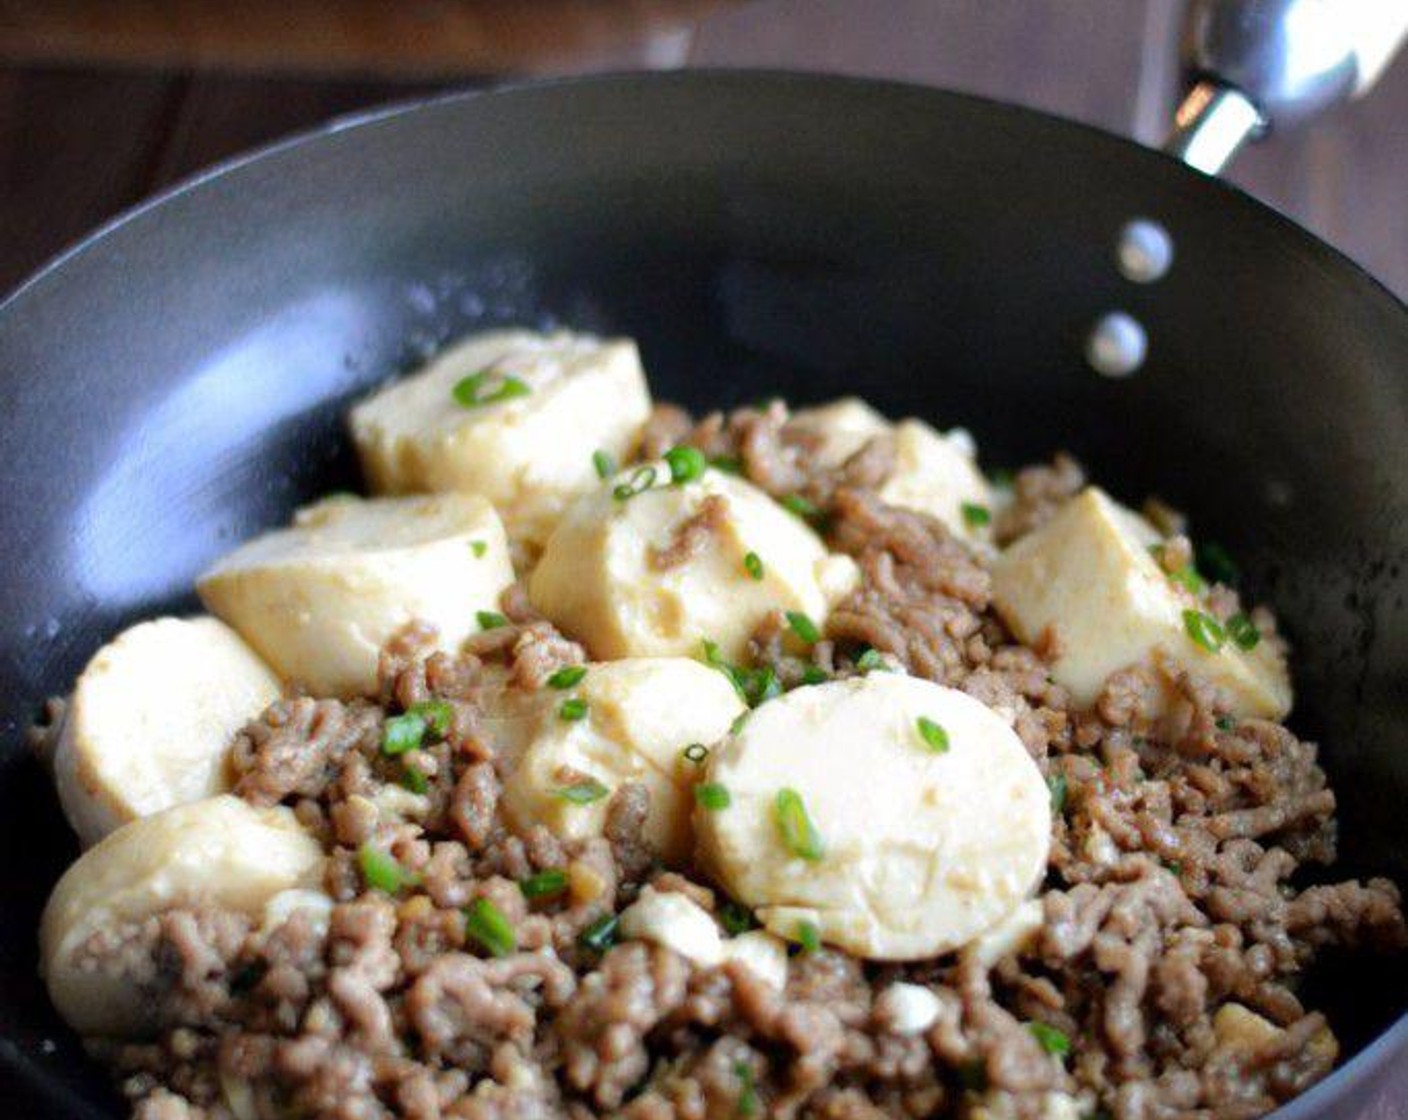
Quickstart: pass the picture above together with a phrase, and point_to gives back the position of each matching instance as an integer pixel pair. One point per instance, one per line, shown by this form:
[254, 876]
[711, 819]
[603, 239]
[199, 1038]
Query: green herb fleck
[808, 936]
[582, 792]
[572, 710]
[486, 924]
[603, 464]
[736, 918]
[729, 464]
[1173, 866]
[803, 627]
[934, 736]
[413, 780]
[747, 1104]
[798, 505]
[872, 661]
[738, 721]
[543, 884]
[1226, 723]
[686, 464]
[712, 796]
[479, 389]
[753, 565]
[1204, 629]
[381, 871]
[1056, 783]
[490, 620]
[640, 480]
[439, 715]
[814, 674]
[795, 826]
[976, 516]
[1242, 630]
[401, 734]
[479, 548]
[696, 753]
[1218, 563]
[1050, 1039]
[569, 676]
[601, 934]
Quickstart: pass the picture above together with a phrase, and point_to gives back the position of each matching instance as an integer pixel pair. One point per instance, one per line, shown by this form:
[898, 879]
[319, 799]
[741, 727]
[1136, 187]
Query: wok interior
[169, 386]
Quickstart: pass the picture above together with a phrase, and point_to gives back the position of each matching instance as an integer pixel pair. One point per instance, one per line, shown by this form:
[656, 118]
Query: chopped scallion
[696, 753]
[712, 796]
[572, 710]
[439, 715]
[686, 464]
[1226, 723]
[601, 934]
[753, 565]
[798, 505]
[582, 792]
[1242, 630]
[640, 480]
[872, 661]
[413, 780]
[736, 918]
[1218, 563]
[729, 464]
[1204, 629]
[803, 627]
[479, 389]
[402, 733]
[747, 1103]
[976, 516]
[814, 674]
[1056, 783]
[486, 924]
[603, 464]
[934, 736]
[544, 883]
[490, 620]
[569, 676]
[795, 826]
[381, 871]
[1050, 1039]
[808, 936]
[479, 548]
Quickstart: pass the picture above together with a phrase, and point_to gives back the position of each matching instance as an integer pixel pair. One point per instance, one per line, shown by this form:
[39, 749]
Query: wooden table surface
[79, 143]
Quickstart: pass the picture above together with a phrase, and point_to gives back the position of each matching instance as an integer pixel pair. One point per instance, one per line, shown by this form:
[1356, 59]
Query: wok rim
[1361, 1069]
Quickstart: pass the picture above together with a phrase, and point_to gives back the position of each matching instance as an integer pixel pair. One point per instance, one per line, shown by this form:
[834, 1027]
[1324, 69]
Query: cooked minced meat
[1168, 909]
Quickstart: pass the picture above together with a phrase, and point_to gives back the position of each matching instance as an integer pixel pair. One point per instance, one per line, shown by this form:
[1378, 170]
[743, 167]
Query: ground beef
[1170, 915]
[692, 535]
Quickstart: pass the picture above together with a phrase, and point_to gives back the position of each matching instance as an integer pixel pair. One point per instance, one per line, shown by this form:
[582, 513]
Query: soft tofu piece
[936, 474]
[1088, 578]
[677, 922]
[600, 582]
[641, 715]
[319, 599]
[907, 1008]
[762, 953]
[150, 721]
[221, 852]
[835, 431]
[530, 455]
[922, 850]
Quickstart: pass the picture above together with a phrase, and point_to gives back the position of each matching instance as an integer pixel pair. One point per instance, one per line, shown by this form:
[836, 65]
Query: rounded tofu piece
[621, 577]
[151, 718]
[916, 849]
[530, 454]
[936, 474]
[319, 599]
[640, 715]
[1087, 579]
[764, 953]
[675, 921]
[834, 432]
[219, 852]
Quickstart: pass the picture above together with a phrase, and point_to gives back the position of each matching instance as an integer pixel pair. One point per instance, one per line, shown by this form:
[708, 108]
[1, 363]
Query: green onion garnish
[808, 936]
[1225, 723]
[603, 464]
[583, 792]
[712, 796]
[439, 715]
[872, 661]
[747, 1103]
[976, 516]
[1242, 630]
[479, 548]
[1205, 630]
[413, 780]
[1051, 1040]
[486, 923]
[795, 827]
[569, 676]
[738, 721]
[402, 733]
[753, 565]
[696, 753]
[736, 918]
[551, 881]
[1218, 563]
[1056, 783]
[477, 389]
[381, 871]
[640, 480]
[798, 505]
[814, 674]
[686, 464]
[934, 736]
[729, 464]
[490, 620]
[803, 627]
[572, 710]
[1173, 867]
[601, 934]
[763, 684]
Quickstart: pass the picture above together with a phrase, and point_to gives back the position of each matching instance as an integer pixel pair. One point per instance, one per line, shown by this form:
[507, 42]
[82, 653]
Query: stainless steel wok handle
[1261, 65]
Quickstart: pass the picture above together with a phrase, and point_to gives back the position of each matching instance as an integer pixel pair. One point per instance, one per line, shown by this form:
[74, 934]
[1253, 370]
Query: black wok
[175, 384]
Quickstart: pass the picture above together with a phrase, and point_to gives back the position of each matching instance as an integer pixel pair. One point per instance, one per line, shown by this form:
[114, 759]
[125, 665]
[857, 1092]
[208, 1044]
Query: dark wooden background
[89, 126]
